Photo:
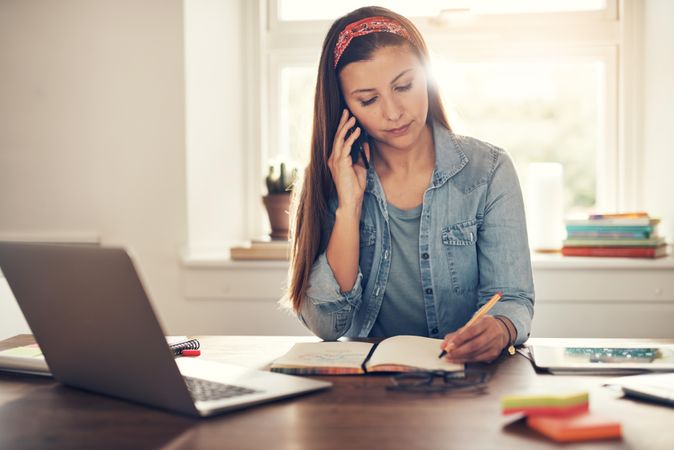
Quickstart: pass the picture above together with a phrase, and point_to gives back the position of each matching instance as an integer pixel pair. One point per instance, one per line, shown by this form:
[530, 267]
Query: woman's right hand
[350, 179]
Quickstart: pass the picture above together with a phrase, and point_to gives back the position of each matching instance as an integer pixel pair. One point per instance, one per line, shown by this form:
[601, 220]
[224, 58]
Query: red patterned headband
[376, 24]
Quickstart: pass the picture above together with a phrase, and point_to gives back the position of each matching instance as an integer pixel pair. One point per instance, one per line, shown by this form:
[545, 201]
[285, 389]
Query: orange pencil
[480, 312]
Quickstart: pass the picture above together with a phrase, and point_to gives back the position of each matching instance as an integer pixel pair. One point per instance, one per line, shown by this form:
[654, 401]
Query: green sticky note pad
[544, 400]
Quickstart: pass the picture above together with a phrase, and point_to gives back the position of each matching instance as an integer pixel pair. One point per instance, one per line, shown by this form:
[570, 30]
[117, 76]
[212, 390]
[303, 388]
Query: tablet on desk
[603, 358]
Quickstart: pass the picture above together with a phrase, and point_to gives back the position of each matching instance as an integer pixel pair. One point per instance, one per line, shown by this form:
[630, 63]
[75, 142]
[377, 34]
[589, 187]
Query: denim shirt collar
[449, 160]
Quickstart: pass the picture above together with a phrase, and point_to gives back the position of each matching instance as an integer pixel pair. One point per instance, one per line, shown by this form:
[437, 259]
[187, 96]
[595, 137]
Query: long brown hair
[310, 211]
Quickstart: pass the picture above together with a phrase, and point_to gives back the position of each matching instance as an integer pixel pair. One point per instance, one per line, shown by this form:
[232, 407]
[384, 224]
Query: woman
[418, 239]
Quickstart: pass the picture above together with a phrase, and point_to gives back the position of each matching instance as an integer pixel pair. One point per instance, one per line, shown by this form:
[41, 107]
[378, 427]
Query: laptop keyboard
[204, 390]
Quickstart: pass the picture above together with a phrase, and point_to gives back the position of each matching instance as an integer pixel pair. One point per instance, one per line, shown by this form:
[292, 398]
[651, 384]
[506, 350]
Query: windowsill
[224, 262]
[559, 279]
[557, 261]
[538, 261]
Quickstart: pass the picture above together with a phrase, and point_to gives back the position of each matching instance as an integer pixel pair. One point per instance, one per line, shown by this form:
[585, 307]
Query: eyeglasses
[473, 382]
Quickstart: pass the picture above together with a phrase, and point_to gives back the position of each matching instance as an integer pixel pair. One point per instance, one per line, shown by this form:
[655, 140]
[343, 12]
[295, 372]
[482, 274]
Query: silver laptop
[89, 313]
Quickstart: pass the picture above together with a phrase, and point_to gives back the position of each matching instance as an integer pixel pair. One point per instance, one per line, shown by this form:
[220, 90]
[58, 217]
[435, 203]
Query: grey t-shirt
[402, 309]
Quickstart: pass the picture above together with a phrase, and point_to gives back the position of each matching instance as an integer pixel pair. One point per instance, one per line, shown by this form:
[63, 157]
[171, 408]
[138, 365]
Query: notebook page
[325, 354]
[172, 340]
[27, 358]
[412, 351]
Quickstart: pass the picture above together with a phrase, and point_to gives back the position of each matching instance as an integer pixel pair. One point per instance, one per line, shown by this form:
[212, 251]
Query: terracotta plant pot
[277, 209]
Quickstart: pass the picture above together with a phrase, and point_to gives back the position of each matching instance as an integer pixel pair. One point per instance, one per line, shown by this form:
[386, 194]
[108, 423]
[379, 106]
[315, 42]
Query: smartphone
[357, 149]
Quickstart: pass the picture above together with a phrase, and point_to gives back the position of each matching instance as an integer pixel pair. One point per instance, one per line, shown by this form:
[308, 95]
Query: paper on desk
[658, 387]
[171, 340]
[29, 358]
[25, 359]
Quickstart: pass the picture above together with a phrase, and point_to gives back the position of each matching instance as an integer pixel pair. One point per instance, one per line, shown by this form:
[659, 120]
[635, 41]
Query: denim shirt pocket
[459, 242]
[368, 237]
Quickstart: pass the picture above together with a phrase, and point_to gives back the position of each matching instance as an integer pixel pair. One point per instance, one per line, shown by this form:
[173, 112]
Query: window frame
[598, 34]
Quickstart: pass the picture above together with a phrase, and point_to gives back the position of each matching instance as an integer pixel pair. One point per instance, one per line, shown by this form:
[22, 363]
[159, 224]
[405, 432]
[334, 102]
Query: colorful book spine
[621, 222]
[610, 229]
[608, 234]
[629, 252]
[650, 242]
[628, 215]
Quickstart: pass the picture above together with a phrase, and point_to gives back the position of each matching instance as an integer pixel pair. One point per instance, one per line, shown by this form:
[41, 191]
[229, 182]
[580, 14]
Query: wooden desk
[356, 413]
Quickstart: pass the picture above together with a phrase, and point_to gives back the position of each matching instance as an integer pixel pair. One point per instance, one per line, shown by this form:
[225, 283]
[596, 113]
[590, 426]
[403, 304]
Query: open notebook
[395, 354]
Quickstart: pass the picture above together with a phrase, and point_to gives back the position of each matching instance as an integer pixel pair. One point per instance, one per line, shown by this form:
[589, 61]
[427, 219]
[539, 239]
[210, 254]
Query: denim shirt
[472, 244]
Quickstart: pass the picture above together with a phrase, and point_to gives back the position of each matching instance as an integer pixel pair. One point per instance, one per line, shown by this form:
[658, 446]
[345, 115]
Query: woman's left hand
[483, 341]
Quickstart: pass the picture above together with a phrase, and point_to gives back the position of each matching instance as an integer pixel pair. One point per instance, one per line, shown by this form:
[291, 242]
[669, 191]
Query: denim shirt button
[429, 290]
[434, 331]
[424, 255]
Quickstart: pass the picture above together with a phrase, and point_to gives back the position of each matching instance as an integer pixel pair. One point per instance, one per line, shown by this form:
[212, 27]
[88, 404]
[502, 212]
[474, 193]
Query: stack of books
[632, 235]
[263, 249]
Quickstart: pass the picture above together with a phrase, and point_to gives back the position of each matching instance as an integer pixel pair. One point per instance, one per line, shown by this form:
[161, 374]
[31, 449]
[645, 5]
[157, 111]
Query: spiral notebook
[28, 358]
[179, 343]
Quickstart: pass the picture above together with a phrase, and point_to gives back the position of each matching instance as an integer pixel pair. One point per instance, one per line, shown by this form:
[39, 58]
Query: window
[540, 111]
[538, 78]
[301, 10]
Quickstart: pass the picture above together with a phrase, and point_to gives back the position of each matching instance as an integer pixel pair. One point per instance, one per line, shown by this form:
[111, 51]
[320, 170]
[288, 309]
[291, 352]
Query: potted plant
[277, 201]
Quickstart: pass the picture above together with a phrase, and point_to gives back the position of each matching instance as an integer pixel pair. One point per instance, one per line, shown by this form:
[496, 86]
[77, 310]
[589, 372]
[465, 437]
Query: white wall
[93, 137]
[214, 116]
[92, 129]
[658, 108]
